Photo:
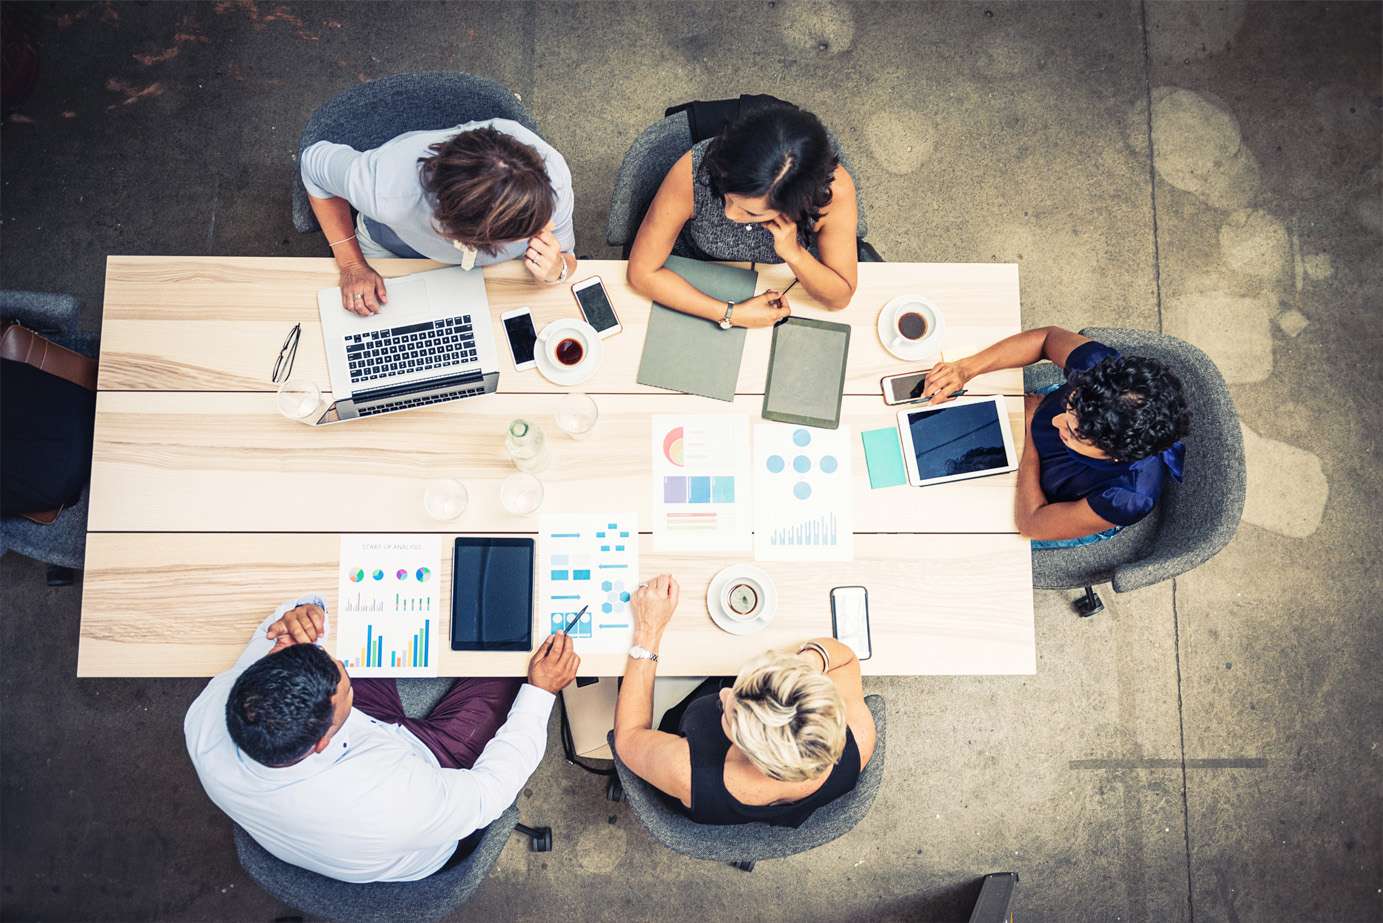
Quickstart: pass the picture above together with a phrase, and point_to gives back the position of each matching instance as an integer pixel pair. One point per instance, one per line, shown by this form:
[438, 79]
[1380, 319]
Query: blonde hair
[787, 717]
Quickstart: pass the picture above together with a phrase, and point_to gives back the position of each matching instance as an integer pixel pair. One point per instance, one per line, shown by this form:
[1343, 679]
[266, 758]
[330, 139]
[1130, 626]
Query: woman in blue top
[1098, 448]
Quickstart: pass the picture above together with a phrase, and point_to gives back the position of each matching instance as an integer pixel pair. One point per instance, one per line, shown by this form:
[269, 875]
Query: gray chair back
[372, 113]
[430, 898]
[1194, 519]
[649, 158]
[751, 842]
[63, 541]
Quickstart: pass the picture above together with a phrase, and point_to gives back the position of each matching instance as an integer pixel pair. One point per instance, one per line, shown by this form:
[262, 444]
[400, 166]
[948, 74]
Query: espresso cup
[567, 349]
[742, 599]
[912, 324]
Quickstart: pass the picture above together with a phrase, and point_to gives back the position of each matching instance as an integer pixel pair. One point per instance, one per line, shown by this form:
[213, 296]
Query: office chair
[372, 113]
[741, 845]
[1192, 520]
[430, 898]
[649, 158]
[61, 544]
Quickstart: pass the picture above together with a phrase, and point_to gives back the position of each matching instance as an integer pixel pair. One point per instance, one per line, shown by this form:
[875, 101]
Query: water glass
[300, 401]
[577, 415]
[444, 499]
[521, 494]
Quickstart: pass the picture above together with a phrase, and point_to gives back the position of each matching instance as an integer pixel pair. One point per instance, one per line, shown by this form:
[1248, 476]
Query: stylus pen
[926, 400]
[574, 619]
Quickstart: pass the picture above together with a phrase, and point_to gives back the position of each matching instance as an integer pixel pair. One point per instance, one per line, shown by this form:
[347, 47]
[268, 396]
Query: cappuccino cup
[742, 599]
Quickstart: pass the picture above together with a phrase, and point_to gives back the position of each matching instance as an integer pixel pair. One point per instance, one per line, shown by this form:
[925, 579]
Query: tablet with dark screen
[967, 438]
[492, 594]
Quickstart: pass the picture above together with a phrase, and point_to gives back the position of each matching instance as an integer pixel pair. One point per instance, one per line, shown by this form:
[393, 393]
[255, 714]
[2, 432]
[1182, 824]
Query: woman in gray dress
[767, 189]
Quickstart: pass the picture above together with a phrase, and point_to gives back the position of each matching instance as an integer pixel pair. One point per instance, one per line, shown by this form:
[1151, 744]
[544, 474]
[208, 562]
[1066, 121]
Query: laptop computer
[432, 342]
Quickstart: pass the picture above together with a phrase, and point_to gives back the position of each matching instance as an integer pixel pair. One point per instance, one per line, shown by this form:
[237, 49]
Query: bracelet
[342, 241]
[825, 657]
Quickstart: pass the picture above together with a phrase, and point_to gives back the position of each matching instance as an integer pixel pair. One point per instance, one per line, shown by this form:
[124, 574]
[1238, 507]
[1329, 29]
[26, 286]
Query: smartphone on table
[904, 388]
[519, 330]
[596, 307]
[850, 619]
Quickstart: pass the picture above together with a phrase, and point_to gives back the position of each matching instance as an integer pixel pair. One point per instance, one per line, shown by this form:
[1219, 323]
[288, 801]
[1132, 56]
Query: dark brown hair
[487, 188]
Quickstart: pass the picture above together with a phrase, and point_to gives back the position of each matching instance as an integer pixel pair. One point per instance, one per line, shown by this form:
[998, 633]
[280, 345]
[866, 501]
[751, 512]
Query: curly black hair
[1129, 407]
[780, 152]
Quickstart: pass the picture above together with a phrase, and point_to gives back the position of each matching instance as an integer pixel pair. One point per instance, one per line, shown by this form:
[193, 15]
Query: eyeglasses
[283, 366]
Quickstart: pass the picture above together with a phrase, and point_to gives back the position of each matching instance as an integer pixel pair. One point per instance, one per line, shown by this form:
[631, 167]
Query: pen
[928, 399]
[786, 290]
[574, 619]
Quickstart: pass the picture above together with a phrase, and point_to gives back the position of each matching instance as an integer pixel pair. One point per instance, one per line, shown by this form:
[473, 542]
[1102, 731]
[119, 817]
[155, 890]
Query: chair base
[539, 838]
[744, 865]
[1089, 604]
[60, 576]
[613, 790]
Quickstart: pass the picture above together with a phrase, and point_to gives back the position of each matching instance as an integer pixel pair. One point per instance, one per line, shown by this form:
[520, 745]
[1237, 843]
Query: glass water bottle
[524, 441]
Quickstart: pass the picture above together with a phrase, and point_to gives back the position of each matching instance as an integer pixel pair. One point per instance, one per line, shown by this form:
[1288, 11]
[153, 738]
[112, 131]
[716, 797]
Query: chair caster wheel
[1089, 604]
[613, 790]
[542, 840]
[744, 866]
[60, 576]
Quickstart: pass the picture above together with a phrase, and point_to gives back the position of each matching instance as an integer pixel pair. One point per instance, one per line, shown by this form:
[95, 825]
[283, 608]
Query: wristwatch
[725, 321]
[642, 653]
[562, 276]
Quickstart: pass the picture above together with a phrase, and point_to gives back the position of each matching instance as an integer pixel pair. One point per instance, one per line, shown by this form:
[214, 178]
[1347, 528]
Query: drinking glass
[300, 400]
[521, 494]
[577, 414]
[444, 499]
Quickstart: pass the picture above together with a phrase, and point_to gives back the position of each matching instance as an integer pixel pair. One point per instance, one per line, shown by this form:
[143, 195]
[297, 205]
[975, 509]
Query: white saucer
[736, 626]
[929, 347]
[568, 375]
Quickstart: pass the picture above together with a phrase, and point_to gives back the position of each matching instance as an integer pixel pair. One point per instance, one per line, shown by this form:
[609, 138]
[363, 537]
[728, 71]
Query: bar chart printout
[389, 610]
[803, 504]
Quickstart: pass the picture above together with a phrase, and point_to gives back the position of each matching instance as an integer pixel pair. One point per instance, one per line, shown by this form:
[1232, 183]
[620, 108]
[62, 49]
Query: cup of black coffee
[912, 325]
[570, 351]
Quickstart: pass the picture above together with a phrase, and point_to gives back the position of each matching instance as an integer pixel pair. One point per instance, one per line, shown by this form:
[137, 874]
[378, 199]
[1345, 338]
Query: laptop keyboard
[396, 351]
[406, 403]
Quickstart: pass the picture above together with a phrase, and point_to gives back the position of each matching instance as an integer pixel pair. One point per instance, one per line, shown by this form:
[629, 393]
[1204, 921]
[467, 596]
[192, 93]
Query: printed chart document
[588, 560]
[389, 614]
[701, 483]
[803, 503]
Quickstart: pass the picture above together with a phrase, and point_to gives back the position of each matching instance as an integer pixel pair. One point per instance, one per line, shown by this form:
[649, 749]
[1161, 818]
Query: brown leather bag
[20, 344]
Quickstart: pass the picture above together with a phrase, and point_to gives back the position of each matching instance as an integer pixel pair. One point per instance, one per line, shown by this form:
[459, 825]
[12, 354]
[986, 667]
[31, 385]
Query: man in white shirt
[345, 791]
[477, 194]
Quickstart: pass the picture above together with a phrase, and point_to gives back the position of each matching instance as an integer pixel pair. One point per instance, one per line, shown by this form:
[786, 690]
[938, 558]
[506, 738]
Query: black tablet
[806, 372]
[492, 594]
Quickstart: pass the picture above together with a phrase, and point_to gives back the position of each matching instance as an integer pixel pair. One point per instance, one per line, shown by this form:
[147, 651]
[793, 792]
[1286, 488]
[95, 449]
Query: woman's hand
[653, 605]
[785, 242]
[543, 258]
[763, 310]
[362, 289]
[944, 379]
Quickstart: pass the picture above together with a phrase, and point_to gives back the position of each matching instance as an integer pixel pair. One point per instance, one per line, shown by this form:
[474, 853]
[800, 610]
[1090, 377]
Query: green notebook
[689, 354]
[883, 456]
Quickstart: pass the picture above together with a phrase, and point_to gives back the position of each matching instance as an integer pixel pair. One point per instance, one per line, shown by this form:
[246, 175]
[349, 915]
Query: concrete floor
[1206, 750]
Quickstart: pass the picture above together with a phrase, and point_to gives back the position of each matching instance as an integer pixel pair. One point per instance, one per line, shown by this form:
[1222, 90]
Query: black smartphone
[492, 594]
[850, 619]
[904, 388]
[518, 327]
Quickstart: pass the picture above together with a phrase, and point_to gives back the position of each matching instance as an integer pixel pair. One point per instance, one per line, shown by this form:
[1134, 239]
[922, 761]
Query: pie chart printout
[674, 448]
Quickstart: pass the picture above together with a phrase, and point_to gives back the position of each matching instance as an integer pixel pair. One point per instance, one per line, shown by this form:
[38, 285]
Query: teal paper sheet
[883, 454]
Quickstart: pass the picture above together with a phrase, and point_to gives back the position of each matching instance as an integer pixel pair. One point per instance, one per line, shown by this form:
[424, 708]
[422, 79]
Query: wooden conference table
[208, 508]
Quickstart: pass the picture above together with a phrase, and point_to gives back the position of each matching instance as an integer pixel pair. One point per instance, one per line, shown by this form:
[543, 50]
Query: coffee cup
[566, 349]
[742, 599]
[912, 325]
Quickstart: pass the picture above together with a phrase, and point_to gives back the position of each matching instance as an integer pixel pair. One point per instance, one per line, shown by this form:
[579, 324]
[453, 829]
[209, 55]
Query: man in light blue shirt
[346, 791]
[477, 194]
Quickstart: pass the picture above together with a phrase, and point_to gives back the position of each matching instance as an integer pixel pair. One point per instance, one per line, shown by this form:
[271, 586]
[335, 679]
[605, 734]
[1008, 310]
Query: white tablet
[966, 438]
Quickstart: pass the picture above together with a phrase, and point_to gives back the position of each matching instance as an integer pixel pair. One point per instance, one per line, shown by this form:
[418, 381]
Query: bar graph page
[803, 504]
[389, 600]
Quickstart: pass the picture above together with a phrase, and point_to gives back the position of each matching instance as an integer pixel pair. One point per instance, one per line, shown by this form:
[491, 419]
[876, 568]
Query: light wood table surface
[208, 508]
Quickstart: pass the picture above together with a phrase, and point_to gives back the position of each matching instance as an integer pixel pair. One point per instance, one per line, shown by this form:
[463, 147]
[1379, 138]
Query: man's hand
[302, 625]
[785, 242]
[944, 379]
[763, 310]
[362, 289]
[554, 663]
[544, 257]
[653, 605]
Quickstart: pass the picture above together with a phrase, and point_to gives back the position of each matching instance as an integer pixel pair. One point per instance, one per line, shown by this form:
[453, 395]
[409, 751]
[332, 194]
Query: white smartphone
[904, 388]
[850, 619]
[596, 307]
[523, 338]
